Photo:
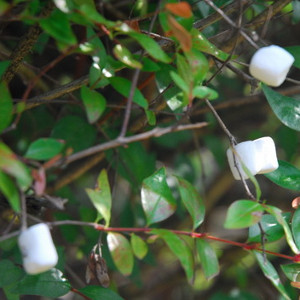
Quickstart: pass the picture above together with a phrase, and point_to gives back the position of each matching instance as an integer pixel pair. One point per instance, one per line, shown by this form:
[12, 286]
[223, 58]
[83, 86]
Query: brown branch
[120, 141]
[25, 45]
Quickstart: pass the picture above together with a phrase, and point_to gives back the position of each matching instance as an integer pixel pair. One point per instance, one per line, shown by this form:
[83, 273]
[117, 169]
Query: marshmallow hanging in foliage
[38, 251]
[258, 156]
[271, 65]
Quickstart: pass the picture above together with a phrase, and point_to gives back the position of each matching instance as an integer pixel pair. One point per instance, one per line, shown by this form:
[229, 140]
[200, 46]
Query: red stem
[80, 294]
[245, 246]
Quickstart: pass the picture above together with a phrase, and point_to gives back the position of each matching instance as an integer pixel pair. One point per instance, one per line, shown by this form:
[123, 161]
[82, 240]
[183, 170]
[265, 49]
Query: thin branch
[192, 234]
[129, 102]
[25, 45]
[231, 23]
[23, 211]
[120, 141]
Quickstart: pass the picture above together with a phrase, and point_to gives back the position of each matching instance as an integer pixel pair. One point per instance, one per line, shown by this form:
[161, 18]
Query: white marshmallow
[38, 250]
[245, 152]
[271, 65]
[258, 156]
[265, 147]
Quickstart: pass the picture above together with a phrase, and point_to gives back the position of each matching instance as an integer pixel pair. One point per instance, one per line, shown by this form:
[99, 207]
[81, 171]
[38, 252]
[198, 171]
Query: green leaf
[47, 284]
[138, 245]
[3, 66]
[157, 199]
[10, 191]
[179, 81]
[44, 149]
[126, 57]
[205, 92]
[192, 201]
[179, 248]
[94, 103]
[208, 259]
[271, 273]
[121, 252]
[296, 227]
[100, 55]
[285, 108]
[286, 176]
[291, 271]
[89, 11]
[271, 227]
[150, 46]
[77, 133]
[295, 51]
[58, 26]
[198, 65]
[101, 196]
[184, 69]
[243, 213]
[123, 86]
[201, 43]
[99, 293]
[11, 271]
[151, 117]
[296, 11]
[132, 164]
[10, 164]
[6, 107]
[277, 213]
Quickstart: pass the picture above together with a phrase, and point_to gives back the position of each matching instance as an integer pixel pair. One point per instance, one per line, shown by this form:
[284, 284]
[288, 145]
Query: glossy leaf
[44, 149]
[138, 245]
[123, 86]
[77, 133]
[6, 107]
[121, 252]
[296, 227]
[179, 248]
[198, 65]
[147, 43]
[180, 82]
[291, 271]
[101, 196]
[243, 213]
[271, 227]
[48, 284]
[200, 42]
[99, 55]
[192, 201]
[295, 51]
[157, 199]
[99, 293]
[277, 213]
[208, 259]
[58, 26]
[12, 273]
[94, 103]
[271, 273]
[203, 92]
[10, 164]
[181, 9]
[286, 176]
[10, 191]
[285, 108]
[126, 57]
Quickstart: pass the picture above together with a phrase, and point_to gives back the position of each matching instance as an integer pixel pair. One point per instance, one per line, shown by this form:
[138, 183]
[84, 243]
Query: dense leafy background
[67, 91]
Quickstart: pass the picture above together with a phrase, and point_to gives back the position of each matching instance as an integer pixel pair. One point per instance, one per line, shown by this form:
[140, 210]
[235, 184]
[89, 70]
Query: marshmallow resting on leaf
[38, 251]
[258, 156]
[271, 65]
